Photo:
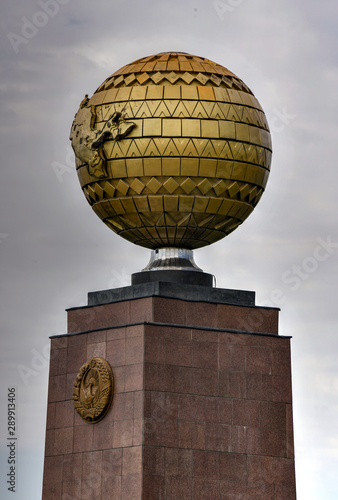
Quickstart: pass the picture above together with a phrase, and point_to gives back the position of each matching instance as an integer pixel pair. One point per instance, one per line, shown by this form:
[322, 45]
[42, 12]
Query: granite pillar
[202, 404]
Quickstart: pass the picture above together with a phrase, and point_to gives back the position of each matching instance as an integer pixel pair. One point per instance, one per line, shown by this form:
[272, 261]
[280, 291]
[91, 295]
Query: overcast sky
[54, 249]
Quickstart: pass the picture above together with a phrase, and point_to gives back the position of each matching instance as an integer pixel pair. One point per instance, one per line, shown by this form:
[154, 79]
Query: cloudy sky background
[54, 249]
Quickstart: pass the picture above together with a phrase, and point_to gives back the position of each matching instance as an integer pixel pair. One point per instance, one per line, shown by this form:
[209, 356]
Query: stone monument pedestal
[202, 406]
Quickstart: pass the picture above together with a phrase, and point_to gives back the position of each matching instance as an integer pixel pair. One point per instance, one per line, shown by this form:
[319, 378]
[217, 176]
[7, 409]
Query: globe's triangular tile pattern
[173, 68]
[197, 160]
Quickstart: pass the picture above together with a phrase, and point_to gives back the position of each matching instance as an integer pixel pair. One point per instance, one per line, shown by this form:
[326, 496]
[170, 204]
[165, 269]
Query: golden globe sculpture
[172, 150]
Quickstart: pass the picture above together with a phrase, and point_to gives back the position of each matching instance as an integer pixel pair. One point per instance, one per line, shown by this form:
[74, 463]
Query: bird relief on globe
[87, 136]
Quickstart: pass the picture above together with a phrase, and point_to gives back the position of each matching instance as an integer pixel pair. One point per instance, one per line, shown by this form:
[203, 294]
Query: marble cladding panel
[102, 460]
[176, 312]
[218, 415]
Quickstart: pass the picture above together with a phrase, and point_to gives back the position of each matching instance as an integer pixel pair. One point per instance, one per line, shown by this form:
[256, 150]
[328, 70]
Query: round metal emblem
[93, 390]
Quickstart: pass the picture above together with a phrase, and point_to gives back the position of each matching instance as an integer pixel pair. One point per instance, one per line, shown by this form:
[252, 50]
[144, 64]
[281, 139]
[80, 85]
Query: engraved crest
[93, 390]
[87, 138]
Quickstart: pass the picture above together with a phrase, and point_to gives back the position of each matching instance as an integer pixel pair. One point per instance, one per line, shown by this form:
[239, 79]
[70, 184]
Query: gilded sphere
[172, 150]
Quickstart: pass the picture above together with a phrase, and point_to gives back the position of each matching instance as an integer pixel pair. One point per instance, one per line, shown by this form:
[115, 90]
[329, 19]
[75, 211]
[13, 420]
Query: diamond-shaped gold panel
[123, 187]
[233, 189]
[142, 78]
[204, 186]
[157, 77]
[172, 77]
[154, 185]
[216, 80]
[202, 78]
[109, 189]
[258, 197]
[253, 193]
[118, 81]
[98, 190]
[88, 198]
[171, 185]
[220, 187]
[130, 79]
[91, 193]
[188, 185]
[187, 78]
[244, 191]
[137, 186]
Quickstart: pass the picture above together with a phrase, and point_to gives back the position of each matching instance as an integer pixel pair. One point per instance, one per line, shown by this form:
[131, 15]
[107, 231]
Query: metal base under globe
[163, 259]
[174, 265]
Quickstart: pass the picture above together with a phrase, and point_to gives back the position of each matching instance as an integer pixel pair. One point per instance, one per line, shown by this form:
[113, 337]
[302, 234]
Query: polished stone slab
[194, 293]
